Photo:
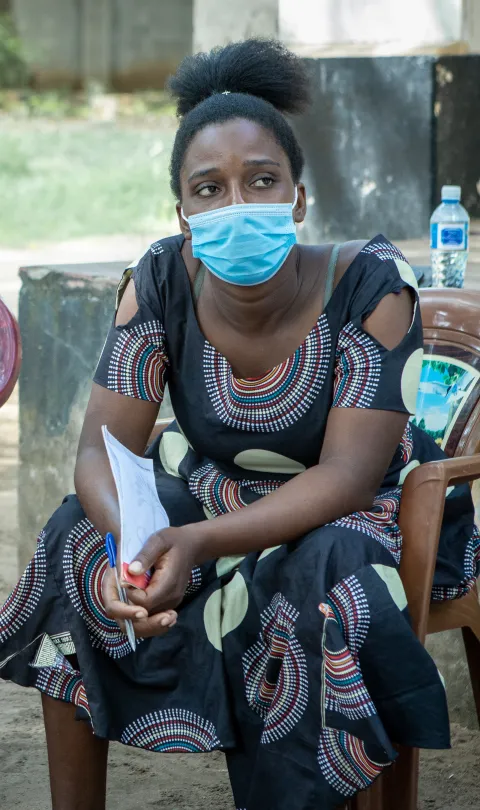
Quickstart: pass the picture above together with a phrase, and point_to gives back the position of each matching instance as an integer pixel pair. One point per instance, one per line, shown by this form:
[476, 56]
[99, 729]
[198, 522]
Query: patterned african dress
[299, 662]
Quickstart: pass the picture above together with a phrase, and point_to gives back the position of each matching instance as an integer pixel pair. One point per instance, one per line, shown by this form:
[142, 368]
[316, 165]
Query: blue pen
[112, 559]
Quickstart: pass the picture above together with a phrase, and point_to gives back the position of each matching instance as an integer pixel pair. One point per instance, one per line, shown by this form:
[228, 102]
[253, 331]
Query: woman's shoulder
[364, 255]
[158, 252]
[373, 263]
[347, 254]
[156, 274]
[367, 271]
[159, 264]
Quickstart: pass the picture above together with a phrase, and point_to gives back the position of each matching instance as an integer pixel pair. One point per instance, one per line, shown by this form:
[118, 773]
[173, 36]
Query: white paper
[141, 511]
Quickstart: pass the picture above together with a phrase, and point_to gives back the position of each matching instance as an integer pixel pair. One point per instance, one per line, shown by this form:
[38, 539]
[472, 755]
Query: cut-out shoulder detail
[127, 304]
[392, 318]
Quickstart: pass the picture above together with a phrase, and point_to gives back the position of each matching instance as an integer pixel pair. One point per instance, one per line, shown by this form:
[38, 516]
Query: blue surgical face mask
[244, 244]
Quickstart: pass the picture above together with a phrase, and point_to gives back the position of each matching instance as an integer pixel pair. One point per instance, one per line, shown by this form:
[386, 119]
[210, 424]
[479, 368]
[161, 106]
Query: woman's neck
[257, 309]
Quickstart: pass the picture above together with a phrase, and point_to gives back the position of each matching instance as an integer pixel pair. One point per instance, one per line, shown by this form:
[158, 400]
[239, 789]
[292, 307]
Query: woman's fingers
[149, 554]
[156, 625]
[114, 607]
[145, 626]
[138, 597]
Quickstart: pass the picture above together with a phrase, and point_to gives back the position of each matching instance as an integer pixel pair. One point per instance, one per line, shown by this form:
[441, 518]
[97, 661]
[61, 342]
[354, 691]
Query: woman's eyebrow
[261, 162]
[202, 173]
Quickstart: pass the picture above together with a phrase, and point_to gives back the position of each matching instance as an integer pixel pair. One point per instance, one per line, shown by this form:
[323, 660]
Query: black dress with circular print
[299, 662]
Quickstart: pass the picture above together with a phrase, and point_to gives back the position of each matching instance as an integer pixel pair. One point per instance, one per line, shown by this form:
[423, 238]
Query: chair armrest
[459, 470]
[420, 520]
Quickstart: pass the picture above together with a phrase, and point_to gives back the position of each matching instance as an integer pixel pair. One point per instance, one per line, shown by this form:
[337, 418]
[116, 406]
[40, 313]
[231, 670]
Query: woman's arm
[129, 420]
[358, 447]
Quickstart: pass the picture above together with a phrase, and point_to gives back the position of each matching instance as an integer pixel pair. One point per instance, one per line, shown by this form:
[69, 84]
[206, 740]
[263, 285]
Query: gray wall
[63, 320]
[216, 22]
[382, 136]
[125, 45]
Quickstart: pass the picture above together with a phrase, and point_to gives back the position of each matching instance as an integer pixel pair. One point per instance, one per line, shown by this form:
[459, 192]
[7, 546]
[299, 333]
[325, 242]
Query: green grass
[67, 179]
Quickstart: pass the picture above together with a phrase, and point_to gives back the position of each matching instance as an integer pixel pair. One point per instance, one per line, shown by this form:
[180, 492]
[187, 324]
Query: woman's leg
[77, 759]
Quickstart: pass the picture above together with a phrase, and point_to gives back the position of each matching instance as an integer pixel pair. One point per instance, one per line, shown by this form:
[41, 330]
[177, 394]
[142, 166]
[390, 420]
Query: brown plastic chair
[451, 320]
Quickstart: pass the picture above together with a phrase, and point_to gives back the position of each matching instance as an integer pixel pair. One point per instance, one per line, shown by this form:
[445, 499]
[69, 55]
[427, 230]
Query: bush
[13, 70]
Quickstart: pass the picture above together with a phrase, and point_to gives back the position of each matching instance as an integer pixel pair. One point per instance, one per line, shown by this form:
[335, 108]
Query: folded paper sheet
[141, 512]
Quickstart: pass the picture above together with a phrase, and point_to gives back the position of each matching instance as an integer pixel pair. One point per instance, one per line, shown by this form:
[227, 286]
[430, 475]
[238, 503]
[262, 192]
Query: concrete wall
[216, 22]
[150, 38]
[344, 27]
[368, 144]
[380, 139]
[136, 45]
[50, 36]
[63, 319]
[380, 27]
[119, 43]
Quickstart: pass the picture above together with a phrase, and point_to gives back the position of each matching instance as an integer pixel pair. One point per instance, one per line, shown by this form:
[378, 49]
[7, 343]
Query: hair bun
[257, 67]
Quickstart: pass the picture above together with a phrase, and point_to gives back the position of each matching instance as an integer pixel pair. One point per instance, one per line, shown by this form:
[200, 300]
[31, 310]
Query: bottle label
[449, 236]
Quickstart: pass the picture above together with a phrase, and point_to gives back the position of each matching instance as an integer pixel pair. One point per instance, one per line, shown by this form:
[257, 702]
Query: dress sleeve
[368, 375]
[134, 359]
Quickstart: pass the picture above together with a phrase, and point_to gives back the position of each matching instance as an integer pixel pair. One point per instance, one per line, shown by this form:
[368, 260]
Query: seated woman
[275, 625]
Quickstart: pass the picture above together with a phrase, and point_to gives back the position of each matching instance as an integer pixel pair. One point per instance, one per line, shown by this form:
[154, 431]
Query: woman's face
[233, 163]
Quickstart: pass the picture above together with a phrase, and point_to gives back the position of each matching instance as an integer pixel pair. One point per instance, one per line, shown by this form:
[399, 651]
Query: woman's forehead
[236, 139]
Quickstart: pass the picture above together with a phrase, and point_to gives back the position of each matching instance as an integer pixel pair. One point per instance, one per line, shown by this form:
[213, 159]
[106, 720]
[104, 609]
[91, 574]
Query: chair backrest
[448, 407]
[448, 403]
[10, 352]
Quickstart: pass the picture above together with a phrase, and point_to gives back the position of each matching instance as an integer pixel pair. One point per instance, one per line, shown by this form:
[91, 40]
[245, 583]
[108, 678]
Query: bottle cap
[451, 193]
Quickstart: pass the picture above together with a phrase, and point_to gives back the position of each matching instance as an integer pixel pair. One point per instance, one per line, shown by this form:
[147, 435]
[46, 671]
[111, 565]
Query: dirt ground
[449, 779]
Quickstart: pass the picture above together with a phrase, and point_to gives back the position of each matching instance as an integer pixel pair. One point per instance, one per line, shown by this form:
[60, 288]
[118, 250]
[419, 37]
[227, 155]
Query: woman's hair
[258, 79]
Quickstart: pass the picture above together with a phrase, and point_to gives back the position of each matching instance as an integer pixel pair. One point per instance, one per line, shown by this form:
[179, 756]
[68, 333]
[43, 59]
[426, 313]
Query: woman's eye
[207, 191]
[264, 182]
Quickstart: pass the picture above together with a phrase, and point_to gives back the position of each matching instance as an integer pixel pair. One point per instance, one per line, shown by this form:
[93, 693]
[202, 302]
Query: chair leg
[472, 650]
[400, 782]
[395, 789]
[369, 799]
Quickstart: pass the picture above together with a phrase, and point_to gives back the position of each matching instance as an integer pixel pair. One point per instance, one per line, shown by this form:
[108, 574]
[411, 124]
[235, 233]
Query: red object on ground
[10, 352]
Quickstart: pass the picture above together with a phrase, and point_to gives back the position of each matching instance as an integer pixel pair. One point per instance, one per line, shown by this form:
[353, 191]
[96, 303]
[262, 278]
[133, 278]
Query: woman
[275, 625]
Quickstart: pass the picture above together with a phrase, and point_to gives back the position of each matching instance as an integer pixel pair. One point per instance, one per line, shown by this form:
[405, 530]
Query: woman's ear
[300, 209]
[184, 226]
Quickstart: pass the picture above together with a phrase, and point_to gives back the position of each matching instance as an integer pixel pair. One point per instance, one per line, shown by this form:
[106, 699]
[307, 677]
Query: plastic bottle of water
[449, 239]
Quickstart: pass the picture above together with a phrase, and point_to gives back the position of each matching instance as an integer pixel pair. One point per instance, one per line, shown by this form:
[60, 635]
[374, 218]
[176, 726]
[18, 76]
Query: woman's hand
[144, 625]
[172, 553]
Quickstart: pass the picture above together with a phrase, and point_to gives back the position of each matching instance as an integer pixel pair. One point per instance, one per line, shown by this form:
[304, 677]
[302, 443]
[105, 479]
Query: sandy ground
[449, 779]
